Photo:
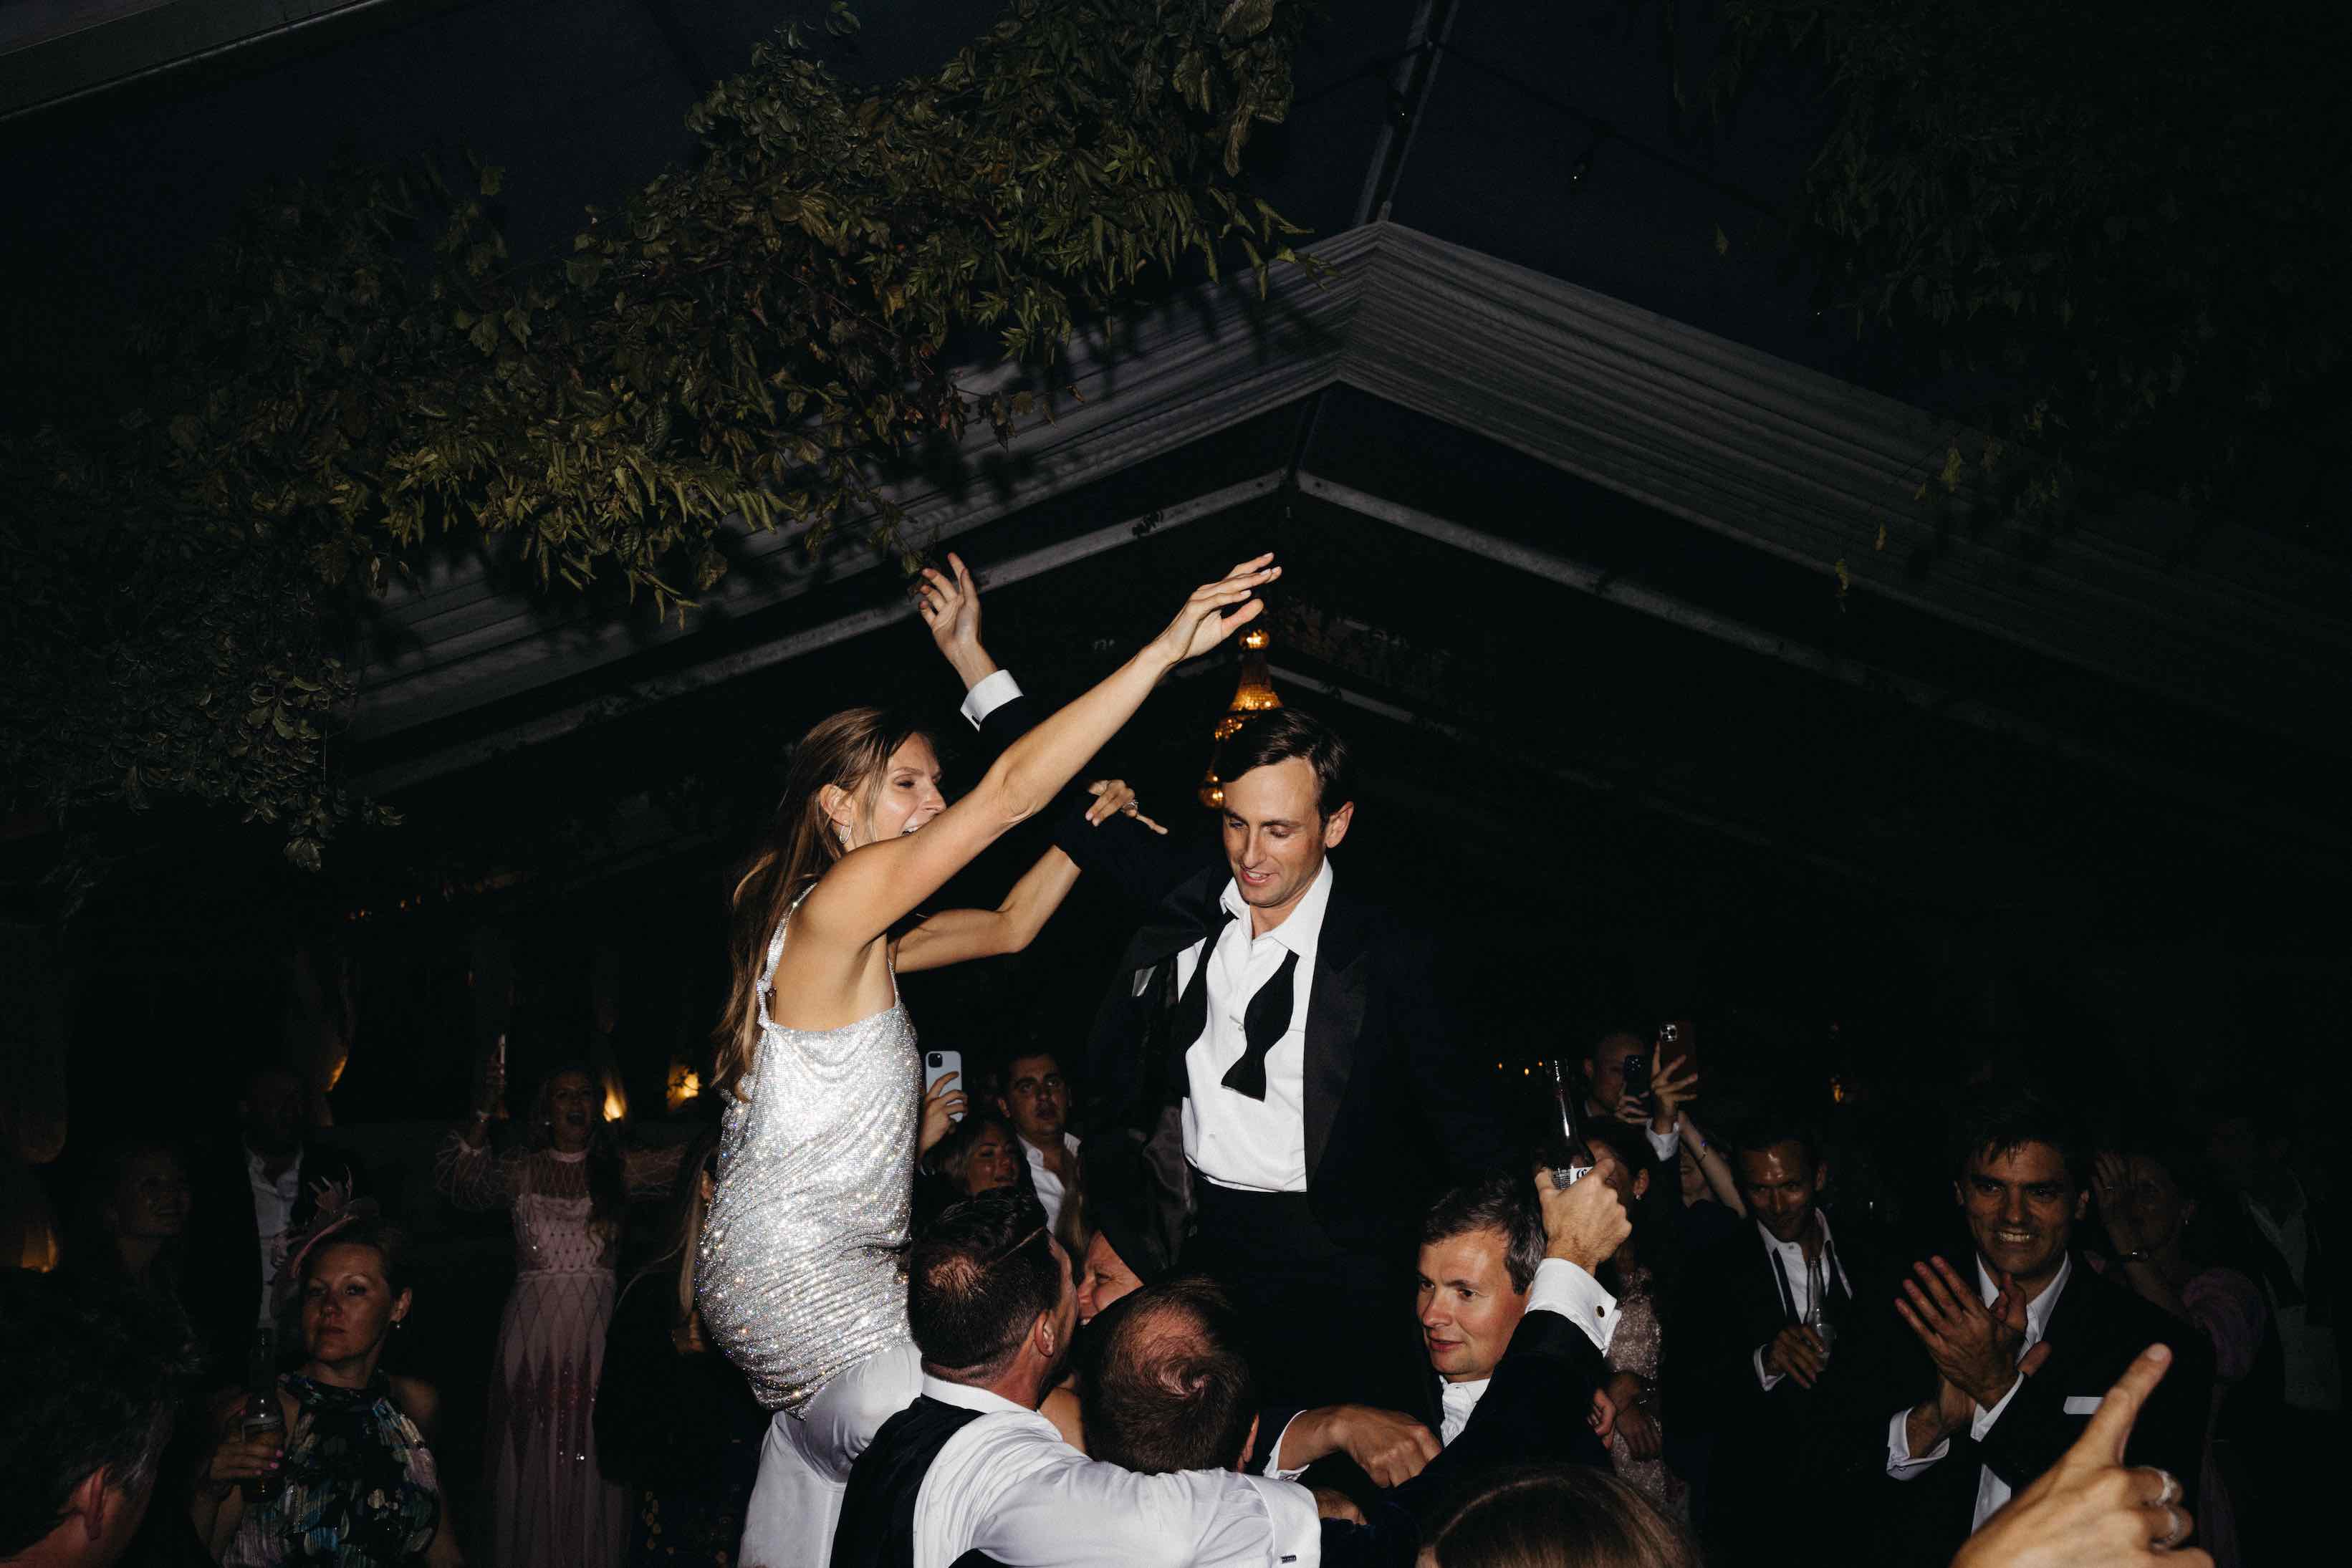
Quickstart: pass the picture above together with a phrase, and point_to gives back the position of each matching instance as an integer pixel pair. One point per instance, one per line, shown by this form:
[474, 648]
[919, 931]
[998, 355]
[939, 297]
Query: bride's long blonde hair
[851, 751]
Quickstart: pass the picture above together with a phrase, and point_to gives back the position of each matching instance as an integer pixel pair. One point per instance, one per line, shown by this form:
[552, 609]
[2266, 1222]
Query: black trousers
[1329, 1323]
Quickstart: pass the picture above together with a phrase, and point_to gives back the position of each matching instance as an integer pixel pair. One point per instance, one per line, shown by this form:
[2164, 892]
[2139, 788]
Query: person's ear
[1249, 1447]
[1821, 1176]
[93, 1501]
[400, 1307]
[1641, 1183]
[839, 808]
[2188, 1213]
[2082, 1204]
[1335, 826]
[1960, 1199]
[1046, 1334]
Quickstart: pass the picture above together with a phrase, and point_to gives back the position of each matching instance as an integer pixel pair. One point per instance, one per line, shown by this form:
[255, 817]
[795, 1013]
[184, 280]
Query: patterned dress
[1635, 1348]
[551, 1505]
[359, 1487]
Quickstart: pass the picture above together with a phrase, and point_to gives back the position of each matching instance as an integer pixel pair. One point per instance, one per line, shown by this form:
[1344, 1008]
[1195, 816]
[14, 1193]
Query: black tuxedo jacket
[2095, 1332]
[1745, 1439]
[1388, 1108]
[1535, 1410]
[223, 1287]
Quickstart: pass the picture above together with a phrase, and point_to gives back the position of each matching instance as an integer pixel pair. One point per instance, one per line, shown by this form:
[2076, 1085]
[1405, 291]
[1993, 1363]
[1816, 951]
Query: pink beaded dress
[551, 1506]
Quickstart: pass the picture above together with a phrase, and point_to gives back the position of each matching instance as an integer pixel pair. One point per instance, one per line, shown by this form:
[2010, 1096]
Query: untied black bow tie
[1264, 1022]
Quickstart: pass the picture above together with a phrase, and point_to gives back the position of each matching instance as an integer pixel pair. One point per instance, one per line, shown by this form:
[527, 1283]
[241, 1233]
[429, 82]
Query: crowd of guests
[1255, 1272]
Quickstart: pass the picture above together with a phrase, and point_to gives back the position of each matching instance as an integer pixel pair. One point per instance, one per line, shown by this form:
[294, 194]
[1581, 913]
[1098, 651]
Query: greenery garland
[363, 375]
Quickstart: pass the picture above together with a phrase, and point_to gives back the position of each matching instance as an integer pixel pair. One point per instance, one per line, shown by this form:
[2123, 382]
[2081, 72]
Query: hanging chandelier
[1255, 694]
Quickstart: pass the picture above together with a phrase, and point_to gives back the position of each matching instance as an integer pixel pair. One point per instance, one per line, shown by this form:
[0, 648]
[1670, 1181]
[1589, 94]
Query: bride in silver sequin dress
[799, 1280]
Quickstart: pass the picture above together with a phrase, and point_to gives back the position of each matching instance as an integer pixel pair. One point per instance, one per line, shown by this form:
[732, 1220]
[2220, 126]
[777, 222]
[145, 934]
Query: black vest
[877, 1510]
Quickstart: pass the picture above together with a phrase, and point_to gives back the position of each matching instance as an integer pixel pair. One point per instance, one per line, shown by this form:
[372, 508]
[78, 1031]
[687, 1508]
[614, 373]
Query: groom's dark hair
[1278, 735]
[977, 1279]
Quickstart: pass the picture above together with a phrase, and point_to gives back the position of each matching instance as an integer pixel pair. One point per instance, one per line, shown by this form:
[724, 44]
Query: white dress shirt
[2314, 1377]
[1559, 1287]
[273, 1216]
[1049, 1186]
[1257, 1146]
[1007, 1485]
[1992, 1491]
[1788, 1257]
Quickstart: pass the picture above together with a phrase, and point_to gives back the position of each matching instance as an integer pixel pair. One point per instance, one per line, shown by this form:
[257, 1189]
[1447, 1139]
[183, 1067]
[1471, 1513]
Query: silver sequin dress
[801, 1274]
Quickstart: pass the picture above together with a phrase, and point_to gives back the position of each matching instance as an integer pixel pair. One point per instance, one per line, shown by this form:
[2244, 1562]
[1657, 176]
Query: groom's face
[1274, 837]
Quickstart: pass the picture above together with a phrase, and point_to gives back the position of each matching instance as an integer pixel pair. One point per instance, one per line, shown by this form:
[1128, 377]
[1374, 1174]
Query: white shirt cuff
[1297, 1528]
[1770, 1380]
[1981, 1422]
[1561, 1287]
[1899, 1462]
[1663, 1144]
[992, 692]
[1275, 1467]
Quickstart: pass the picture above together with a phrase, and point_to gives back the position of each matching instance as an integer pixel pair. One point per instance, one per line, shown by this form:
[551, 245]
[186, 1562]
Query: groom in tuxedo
[1273, 1042]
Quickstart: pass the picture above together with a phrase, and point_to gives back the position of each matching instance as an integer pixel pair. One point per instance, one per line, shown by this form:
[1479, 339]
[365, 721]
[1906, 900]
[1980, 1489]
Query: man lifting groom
[1275, 1041]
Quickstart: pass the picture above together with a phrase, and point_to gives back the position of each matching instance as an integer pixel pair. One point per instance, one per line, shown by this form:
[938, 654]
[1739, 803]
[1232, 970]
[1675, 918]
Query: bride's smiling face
[905, 798]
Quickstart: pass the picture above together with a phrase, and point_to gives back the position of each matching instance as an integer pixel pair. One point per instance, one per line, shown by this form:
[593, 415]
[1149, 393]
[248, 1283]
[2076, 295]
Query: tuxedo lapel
[1335, 1018]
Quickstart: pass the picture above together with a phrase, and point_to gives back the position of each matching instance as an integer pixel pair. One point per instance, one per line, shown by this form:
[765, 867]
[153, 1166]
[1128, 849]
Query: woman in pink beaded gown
[551, 1506]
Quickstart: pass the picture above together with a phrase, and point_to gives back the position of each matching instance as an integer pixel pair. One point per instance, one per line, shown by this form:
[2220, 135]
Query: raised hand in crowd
[2089, 1511]
[1672, 1086]
[1973, 1345]
[2123, 1210]
[949, 606]
[942, 1103]
[1585, 1222]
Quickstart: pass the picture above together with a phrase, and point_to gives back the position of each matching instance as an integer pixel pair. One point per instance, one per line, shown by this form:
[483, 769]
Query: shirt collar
[2038, 1309]
[964, 1396]
[1037, 1156]
[293, 1173]
[1775, 1246]
[1304, 930]
[1461, 1397]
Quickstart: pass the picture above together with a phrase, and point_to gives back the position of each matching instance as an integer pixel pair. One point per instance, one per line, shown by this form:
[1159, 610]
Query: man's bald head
[1166, 1386]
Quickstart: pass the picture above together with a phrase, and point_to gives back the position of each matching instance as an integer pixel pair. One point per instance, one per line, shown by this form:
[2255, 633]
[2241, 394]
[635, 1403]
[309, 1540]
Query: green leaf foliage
[2120, 229]
[363, 375]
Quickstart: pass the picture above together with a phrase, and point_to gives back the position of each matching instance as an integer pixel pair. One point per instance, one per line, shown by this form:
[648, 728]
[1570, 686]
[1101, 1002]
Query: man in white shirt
[2014, 1354]
[973, 1468]
[1516, 1327]
[1036, 1101]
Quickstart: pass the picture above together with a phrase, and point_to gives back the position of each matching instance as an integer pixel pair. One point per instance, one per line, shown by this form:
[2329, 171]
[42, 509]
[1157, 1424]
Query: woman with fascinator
[352, 1480]
[566, 1189]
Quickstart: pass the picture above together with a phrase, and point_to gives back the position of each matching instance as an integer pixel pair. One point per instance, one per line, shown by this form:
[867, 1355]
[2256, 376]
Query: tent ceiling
[1782, 467]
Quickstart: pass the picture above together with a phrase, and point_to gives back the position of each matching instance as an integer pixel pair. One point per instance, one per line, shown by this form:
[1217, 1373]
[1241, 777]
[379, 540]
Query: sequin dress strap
[776, 951]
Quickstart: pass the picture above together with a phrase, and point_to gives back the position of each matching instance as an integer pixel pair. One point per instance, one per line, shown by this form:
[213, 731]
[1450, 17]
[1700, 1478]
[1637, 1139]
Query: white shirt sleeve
[1665, 1145]
[1273, 1465]
[1561, 1287]
[992, 692]
[1981, 1422]
[1899, 1462]
[1028, 1500]
[1770, 1380]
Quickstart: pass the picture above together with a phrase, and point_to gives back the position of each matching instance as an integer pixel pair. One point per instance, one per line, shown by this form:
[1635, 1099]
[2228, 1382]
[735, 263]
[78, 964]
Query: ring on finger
[2176, 1530]
[2167, 1486]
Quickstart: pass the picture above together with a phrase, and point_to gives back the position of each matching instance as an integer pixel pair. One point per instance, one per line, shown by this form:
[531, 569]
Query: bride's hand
[1202, 623]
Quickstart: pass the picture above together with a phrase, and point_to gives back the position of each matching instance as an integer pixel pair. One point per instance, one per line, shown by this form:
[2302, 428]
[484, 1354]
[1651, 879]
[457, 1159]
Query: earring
[843, 828]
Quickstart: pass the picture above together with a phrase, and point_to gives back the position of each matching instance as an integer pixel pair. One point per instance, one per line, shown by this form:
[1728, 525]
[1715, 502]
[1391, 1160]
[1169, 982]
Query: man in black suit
[1752, 1328]
[251, 1195]
[1516, 1330]
[1986, 1374]
[1272, 1040]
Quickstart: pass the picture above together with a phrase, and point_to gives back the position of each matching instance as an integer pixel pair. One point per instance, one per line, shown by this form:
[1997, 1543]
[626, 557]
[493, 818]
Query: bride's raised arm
[879, 885]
